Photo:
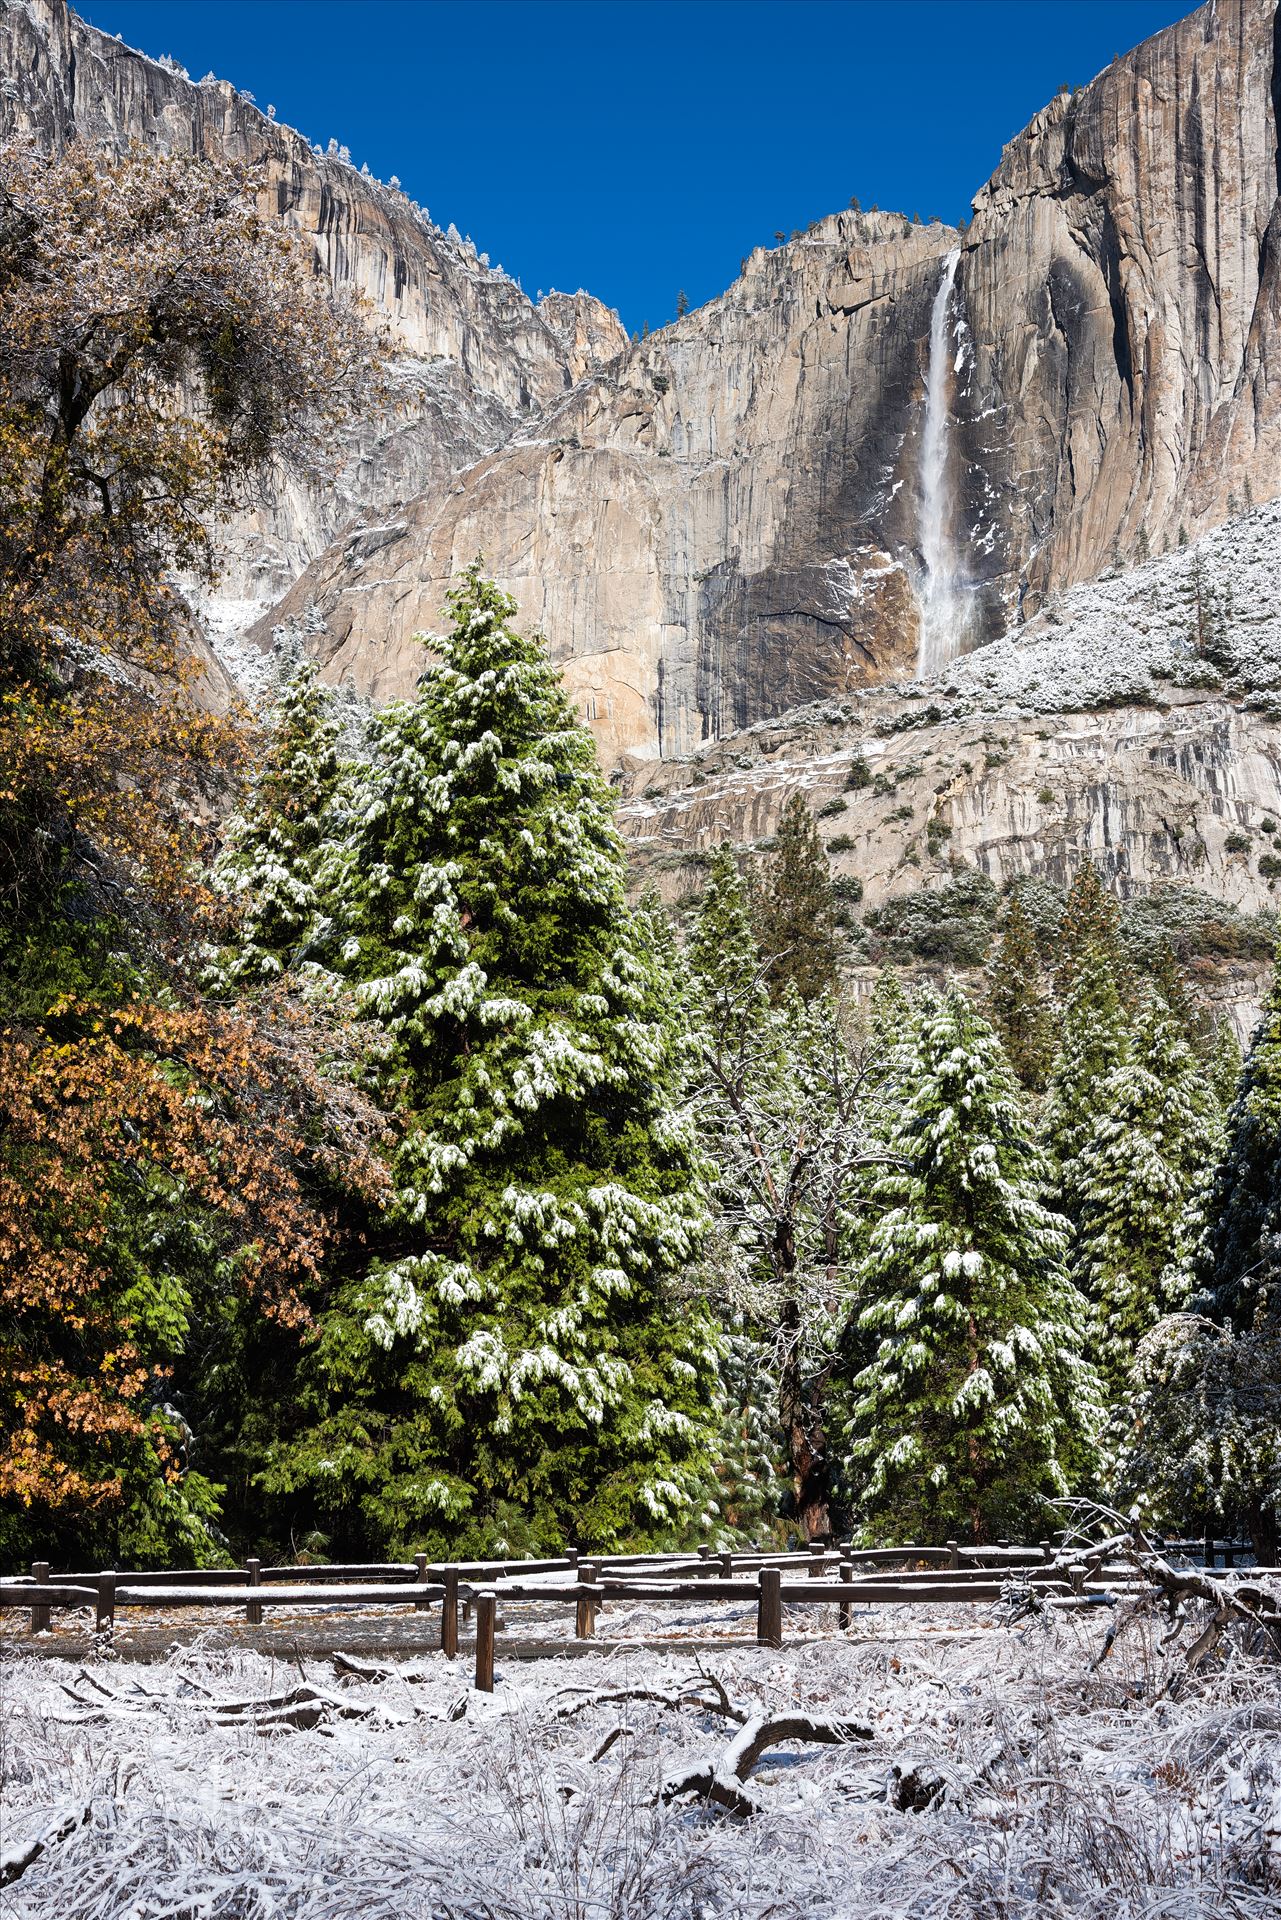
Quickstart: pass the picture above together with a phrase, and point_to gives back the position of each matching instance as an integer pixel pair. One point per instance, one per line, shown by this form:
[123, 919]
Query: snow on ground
[1003, 1777]
[1129, 636]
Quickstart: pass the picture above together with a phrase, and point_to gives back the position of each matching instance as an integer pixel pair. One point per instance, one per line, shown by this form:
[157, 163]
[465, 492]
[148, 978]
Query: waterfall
[943, 599]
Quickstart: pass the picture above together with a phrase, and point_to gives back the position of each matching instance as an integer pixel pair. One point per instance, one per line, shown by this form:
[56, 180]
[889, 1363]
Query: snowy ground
[1130, 636]
[1002, 1776]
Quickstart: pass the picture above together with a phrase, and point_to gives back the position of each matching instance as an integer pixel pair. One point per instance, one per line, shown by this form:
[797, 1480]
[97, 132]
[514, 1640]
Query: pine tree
[977, 1404]
[1202, 1440]
[1225, 1063]
[270, 848]
[516, 1341]
[1093, 1040]
[796, 909]
[1157, 1126]
[1018, 1003]
[1235, 1270]
[1091, 921]
[1211, 1383]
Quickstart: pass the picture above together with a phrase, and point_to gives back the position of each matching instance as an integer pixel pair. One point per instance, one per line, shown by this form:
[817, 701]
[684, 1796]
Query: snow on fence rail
[838, 1578]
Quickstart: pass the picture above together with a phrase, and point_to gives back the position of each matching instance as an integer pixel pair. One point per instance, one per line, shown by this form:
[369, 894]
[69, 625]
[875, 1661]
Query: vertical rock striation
[476, 357]
[727, 520]
[724, 521]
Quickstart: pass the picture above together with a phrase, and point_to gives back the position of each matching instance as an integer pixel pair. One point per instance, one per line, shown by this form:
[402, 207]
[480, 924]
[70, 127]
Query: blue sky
[636, 147]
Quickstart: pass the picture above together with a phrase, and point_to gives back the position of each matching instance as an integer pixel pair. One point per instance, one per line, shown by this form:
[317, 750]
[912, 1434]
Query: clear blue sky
[634, 147]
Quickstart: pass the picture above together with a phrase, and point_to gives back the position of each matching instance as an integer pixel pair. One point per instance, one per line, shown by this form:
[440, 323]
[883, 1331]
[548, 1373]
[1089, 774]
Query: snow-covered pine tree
[1157, 1128]
[977, 1403]
[1201, 1442]
[519, 1339]
[1094, 1038]
[889, 1012]
[1210, 1380]
[795, 908]
[1234, 1269]
[1225, 1062]
[1018, 1003]
[1091, 923]
[270, 848]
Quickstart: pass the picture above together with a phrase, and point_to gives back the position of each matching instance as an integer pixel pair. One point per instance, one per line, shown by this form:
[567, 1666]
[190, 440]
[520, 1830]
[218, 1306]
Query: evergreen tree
[1018, 1003]
[1093, 1040]
[1157, 1127]
[269, 852]
[787, 1098]
[796, 909]
[1235, 1269]
[1225, 1063]
[977, 1403]
[1091, 922]
[1211, 1394]
[517, 1340]
[889, 1013]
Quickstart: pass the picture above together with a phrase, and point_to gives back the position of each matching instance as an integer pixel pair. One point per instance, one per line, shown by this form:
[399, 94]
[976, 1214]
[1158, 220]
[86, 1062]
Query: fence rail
[821, 1576]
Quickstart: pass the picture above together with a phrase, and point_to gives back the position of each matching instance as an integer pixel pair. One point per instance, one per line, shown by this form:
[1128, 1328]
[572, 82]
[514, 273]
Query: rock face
[476, 356]
[727, 519]
[1166, 772]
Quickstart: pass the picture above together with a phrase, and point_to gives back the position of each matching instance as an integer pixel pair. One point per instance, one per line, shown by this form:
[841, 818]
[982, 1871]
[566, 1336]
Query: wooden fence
[837, 1578]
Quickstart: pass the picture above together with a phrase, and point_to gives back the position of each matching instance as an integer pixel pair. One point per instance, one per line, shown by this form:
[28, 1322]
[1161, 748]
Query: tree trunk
[1263, 1535]
[801, 1413]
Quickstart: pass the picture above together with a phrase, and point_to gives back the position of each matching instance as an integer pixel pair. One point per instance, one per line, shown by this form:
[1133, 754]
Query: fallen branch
[15, 1861]
[724, 1783]
[685, 1697]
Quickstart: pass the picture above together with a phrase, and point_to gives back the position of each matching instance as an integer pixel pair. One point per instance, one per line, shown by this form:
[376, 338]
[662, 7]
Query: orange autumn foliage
[102, 1114]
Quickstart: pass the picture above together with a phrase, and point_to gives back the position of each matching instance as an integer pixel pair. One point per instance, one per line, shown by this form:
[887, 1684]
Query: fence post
[105, 1611]
[422, 1604]
[847, 1578]
[40, 1616]
[253, 1577]
[704, 1554]
[953, 1553]
[571, 1554]
[486, 1610]
[817, 1554]
[727, 1566]
[1047, 1551]
[585, 1609]
[449, 1614]
[769, 1609]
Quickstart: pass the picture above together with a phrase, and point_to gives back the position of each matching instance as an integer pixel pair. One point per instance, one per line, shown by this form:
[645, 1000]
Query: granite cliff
[1031, 457]
[474, 356]
[732, 516]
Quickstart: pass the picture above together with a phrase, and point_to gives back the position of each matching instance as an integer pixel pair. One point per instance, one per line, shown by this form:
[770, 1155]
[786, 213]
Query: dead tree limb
[724, 1784]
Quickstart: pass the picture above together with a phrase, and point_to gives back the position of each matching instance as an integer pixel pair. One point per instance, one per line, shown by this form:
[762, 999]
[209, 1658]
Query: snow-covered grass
[1005, 1775]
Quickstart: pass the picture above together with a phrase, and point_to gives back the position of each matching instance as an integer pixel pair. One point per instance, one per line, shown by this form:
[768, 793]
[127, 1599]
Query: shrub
[952, 923]
[1237, 843]
[841, 843]
[858, 774]
[1269, 866]
[830, 808]
[1194, 925]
